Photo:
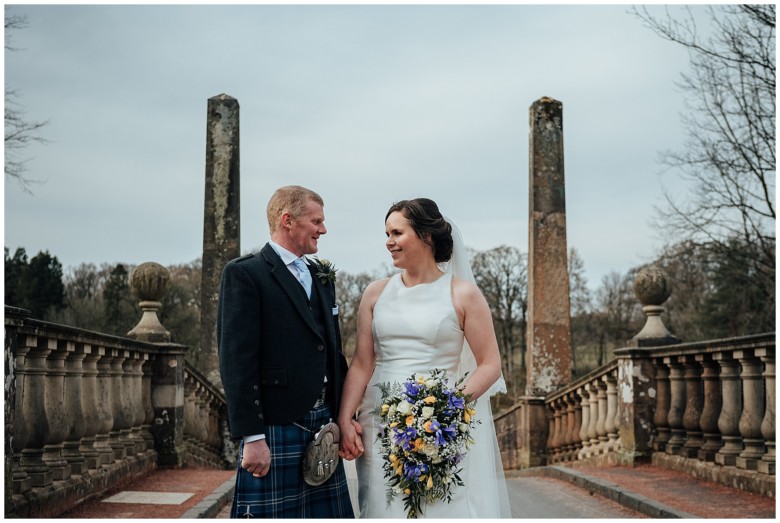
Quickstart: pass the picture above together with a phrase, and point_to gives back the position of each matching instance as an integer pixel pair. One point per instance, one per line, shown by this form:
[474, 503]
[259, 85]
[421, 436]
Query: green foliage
[35, 285]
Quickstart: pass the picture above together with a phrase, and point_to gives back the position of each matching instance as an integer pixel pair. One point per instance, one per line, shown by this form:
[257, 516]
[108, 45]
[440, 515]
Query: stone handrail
[90, 412]
[206, 431]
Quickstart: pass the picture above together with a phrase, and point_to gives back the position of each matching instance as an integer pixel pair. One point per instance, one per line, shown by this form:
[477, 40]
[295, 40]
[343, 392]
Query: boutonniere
[326, 271]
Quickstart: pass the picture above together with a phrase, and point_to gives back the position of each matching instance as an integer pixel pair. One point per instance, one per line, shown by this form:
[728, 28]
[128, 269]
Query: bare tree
[581, 306]
[19, 131]
[729, 156]
[502, 276]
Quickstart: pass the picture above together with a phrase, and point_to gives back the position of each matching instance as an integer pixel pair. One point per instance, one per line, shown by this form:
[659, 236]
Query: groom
[281, 363]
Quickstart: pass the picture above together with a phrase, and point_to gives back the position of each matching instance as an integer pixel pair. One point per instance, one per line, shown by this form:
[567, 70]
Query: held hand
[351, 444]
[256, 458]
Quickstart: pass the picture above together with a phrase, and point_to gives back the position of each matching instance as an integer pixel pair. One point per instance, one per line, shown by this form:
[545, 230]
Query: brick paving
[680, 491]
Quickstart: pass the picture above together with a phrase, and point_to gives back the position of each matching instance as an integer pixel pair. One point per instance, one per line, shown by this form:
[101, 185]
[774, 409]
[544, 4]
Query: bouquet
[424, 434]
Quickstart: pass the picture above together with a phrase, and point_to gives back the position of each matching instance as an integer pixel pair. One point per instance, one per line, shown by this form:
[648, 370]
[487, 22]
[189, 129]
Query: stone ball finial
[652, 287]
[150, 281]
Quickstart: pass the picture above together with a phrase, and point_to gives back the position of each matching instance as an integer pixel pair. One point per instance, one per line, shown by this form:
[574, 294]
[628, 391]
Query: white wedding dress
[416, 330]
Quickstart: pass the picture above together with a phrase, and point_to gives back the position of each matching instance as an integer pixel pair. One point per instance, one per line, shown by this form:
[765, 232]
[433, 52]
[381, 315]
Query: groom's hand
[351, 444]
[256, 458]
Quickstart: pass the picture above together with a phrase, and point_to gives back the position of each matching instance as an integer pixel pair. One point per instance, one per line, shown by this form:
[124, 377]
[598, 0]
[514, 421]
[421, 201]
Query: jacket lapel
[290, 285]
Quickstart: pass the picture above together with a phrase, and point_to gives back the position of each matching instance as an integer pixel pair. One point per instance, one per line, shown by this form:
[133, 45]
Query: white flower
[463, 427]
[431, 383]
[405, 408]
[427, 412]
[391, 412]
[430, 450]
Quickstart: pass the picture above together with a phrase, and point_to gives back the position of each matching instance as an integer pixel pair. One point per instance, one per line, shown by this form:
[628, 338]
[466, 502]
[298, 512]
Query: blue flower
[412, 389]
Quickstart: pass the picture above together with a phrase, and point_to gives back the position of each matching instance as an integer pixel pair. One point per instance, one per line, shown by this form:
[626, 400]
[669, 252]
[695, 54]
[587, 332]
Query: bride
[431, 315]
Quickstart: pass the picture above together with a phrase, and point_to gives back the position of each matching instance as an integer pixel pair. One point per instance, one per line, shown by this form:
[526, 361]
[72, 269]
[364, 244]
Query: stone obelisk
[549, 335]
[221, 220]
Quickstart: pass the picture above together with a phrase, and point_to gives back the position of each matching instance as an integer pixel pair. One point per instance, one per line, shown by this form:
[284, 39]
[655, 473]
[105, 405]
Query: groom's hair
[292, 199]
[431, 227]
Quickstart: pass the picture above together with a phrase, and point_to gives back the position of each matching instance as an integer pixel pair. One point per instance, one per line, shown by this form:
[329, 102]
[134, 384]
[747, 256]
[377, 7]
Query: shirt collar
[286, 256]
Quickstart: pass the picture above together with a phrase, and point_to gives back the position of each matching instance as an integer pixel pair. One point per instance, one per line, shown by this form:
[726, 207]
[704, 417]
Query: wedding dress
[416, 330]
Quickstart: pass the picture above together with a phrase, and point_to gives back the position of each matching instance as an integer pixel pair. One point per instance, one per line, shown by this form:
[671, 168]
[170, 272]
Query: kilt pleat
[282, 493]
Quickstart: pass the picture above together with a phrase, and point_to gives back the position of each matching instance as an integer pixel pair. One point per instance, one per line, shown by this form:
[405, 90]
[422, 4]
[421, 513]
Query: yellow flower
[418, 444]
[466, 416]
[393, 424]
[409, 420]
[385, 409]
[429, 485]
[427, 426]
[407, 491]
[421, 478]
[421, 380]
[393, 458]
[430, 400]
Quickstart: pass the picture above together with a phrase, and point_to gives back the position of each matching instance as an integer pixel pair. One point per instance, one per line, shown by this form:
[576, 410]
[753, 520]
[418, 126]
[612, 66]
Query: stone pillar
[74, 396]
[694, 406]
[636, 405]
[677, 405]
[89, 405]
[221, 220]
[549, 334]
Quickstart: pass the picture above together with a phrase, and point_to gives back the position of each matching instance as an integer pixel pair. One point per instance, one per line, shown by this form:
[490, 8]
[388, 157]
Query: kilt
[282, 493]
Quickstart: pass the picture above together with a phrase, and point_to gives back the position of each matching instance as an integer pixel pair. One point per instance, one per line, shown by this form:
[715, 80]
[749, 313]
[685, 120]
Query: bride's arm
[478, 329]
[360, 370]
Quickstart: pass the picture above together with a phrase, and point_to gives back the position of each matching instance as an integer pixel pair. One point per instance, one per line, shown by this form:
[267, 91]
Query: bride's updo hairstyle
[431, 227]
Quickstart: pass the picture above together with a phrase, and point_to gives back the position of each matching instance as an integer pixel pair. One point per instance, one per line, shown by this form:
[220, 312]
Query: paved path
[539, 498]
[544, 493]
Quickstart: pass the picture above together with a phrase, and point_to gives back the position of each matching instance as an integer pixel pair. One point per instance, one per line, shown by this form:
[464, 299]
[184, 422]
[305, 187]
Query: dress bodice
[416, 329]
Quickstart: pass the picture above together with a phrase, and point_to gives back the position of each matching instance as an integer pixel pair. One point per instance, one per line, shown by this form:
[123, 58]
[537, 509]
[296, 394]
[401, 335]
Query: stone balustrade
[706, 408]
[91, 412]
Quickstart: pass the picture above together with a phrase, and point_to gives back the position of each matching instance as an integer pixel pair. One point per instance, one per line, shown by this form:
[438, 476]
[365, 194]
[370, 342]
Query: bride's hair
[431, 227]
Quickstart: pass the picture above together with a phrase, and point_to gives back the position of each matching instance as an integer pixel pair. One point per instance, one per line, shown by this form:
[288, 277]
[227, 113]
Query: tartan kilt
[282, 493]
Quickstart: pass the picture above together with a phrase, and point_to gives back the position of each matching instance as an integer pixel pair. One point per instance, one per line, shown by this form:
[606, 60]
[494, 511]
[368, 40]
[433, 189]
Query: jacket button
[257, 388]
[320, 348]
[260, 416]
[257, 402]
[276, 382]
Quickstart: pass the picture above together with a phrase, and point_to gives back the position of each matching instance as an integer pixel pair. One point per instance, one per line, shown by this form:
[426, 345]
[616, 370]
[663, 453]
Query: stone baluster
[89, 406]
[557, 441]
[584, 394]
[146, 384]
[22, 424]
[693, 407]
[116, 437]
[752, 410]
[711, 408]
[569, 450]
[662, 404]
[601, 422]
[105, 406]
[190, 436]
[128, 411]
[676, 405]
[201, 404]
[33, 413]
[767, 463]
[137, 401]
[56, 412]
[728, 421]
[576, 405]
[73, 397]
[593, 405]
[550, 433]
[610, 424]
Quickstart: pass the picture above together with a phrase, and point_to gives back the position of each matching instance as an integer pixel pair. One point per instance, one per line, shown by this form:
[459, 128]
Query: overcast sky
[366, 105]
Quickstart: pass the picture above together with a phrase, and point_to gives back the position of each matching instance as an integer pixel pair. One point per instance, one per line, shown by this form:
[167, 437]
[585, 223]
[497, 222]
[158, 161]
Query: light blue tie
[304, 275]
